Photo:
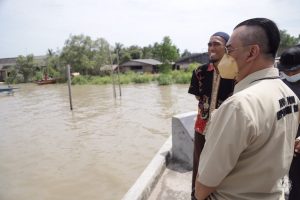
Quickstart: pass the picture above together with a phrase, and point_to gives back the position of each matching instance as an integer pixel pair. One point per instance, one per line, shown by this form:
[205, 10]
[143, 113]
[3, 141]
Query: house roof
[136, 62]
[108, 67]
[200, 57]
[6, 62]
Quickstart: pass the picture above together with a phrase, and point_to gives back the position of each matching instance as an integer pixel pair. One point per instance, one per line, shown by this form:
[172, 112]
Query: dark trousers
[294, 176]
[199, 141]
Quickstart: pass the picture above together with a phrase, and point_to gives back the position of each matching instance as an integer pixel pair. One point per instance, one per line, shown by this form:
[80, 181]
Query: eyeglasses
[229, 50]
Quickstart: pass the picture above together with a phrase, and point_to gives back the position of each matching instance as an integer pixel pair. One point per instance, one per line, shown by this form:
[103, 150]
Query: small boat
[48, 81]
[9, 90]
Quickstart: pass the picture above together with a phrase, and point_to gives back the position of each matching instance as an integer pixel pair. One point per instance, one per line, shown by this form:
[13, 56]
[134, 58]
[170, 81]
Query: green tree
[125, 56]
[147, 52]
[25, 66]
[53, 67]
[156, 51]
[79, 52]
[286, 41]
[118, 50]
[166, 52]
[135, 52]
[102, 53]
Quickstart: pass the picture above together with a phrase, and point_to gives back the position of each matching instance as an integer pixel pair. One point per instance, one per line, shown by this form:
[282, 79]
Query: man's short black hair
[268, 38]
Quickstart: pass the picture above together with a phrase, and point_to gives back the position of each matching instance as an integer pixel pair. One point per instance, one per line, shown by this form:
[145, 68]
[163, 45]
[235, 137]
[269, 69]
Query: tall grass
[101, 80]
[164, 79]
[179, 77]
[142, 78]
[80, 80]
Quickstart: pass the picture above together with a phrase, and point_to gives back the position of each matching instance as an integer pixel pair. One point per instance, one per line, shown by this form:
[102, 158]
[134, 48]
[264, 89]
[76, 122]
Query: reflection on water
[94, 152]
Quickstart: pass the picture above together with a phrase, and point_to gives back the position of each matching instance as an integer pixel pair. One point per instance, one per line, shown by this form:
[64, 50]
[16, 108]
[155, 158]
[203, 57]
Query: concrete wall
[144, 185]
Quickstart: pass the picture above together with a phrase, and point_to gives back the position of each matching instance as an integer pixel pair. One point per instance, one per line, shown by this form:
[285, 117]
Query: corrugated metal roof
[5, 62]
[108, 67]
[194, 57]
[141, 61]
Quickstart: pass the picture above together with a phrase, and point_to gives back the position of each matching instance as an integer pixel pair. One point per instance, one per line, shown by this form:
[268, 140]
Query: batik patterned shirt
[201, 86]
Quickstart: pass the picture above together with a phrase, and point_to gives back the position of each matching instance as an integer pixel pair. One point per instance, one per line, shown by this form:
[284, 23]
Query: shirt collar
[210, 67]
[269, 72]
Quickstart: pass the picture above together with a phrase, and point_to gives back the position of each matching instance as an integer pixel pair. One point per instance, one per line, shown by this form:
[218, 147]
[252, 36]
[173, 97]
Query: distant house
[140, 65]
[7, 64]
[183, 63]
[107, 69]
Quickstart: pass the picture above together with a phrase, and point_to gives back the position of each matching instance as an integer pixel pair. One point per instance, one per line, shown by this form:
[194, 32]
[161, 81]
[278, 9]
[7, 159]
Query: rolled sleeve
[227, 136]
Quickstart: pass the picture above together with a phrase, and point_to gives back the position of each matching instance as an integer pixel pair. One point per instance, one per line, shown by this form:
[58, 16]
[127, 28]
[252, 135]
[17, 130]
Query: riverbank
[173, 77]
[165, 76]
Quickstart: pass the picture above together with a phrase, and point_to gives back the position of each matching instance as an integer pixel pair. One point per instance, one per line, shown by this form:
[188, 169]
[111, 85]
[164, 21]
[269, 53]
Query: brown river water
[96, 151]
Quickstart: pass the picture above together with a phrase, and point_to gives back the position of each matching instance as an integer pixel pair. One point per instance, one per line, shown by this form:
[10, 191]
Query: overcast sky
[33, 26]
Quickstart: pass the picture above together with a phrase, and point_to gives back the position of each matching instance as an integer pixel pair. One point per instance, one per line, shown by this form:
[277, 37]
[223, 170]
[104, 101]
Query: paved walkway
[175, 183]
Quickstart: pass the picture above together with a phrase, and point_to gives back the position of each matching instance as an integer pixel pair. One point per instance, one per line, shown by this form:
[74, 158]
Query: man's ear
[254, 51]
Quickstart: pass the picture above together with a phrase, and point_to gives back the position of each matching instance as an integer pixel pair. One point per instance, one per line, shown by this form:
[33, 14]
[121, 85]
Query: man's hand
[297, 145]
[202, 191]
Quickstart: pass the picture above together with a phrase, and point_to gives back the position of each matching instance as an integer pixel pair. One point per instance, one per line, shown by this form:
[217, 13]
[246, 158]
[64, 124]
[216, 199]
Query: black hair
[267, 35]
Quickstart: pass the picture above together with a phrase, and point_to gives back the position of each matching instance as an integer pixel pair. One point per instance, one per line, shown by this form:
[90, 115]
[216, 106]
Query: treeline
[88, 56]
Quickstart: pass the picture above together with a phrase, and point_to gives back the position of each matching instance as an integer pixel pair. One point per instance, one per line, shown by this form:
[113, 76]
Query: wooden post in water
[119, 73]
[112, 75]
[69, 85]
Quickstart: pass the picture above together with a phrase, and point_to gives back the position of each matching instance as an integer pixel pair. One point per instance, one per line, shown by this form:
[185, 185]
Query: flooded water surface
[96, 151]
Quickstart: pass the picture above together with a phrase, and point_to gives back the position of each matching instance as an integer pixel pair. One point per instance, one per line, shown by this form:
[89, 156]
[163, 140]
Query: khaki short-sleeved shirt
[250, 139]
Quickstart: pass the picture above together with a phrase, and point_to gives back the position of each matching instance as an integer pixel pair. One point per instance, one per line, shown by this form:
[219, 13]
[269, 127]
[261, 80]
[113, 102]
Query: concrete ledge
[183, 138]
[179, 149]
[144, 185]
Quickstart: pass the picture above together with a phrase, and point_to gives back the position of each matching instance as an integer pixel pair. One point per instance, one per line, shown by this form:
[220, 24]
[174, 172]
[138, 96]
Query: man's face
[238, 51]
[216, 48]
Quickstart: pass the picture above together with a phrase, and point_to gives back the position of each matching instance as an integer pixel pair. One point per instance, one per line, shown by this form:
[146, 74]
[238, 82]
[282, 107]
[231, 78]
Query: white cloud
[33, 26]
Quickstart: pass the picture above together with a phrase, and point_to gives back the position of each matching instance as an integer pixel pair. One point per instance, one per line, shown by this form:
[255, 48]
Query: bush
[192, 66]
[142, 78]
[183, 78]
[164, 79]
[80, 80]
[125, 79]
[14, 78]
[38, 76]
[165, 68]
[101, 80]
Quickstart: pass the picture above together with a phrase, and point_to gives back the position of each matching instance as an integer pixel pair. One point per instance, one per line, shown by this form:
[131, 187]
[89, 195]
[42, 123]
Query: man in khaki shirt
[250, 138]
